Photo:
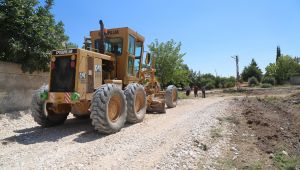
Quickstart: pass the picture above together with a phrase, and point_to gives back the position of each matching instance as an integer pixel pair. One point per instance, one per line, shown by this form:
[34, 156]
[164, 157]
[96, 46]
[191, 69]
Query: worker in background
[203, 91]
[196, 91]
[188, 91]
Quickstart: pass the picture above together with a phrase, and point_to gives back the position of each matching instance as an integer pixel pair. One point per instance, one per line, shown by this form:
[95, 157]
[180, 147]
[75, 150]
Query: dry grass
[216, 133]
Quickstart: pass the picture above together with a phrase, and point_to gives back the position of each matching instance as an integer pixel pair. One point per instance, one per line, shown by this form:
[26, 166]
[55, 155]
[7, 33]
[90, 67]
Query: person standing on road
[203, 91]
[188, 91]
[196, 91]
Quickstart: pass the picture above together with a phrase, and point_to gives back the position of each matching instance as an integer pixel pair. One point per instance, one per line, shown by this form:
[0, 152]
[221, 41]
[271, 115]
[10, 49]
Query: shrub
[252, 81]
[252, 71]
[266, 85]
[229, 84]
[224, 82]
[269, 80]
[209, 85]
[283, 161]
[181, 95]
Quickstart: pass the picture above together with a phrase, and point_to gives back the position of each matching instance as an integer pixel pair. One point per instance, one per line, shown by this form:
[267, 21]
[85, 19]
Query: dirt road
[162, 141]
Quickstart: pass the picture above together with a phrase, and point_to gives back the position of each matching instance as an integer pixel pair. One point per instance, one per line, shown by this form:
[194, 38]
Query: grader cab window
[138, 49]
[130, 66]
[131, 44]
[112, 45]
[138, 54]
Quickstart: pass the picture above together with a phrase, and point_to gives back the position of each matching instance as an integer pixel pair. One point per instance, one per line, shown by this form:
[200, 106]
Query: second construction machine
[105, 81]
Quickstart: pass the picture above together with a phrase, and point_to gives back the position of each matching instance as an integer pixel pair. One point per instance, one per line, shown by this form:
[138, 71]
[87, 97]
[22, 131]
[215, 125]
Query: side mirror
[148, 58]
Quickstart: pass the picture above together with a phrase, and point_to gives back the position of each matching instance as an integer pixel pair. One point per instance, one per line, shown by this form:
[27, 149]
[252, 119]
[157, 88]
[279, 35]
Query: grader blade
[156, 104]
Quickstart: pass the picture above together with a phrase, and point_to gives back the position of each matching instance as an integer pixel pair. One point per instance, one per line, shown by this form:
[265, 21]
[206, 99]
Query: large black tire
[81, 116]
[41, 115]
[103, 100]
[136, 102]
[171, 96]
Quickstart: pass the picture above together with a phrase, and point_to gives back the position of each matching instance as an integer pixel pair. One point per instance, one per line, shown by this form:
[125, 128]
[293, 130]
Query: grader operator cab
[105, 81]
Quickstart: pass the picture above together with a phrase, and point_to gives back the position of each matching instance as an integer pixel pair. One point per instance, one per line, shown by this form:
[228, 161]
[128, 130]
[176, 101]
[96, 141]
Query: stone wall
[16, 87]
[295, 80]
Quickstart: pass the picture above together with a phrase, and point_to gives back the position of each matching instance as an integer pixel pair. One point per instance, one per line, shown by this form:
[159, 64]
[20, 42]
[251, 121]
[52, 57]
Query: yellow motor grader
[104, 81]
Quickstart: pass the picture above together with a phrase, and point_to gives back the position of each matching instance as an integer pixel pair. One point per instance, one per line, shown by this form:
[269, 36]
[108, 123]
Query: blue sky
[210, 30]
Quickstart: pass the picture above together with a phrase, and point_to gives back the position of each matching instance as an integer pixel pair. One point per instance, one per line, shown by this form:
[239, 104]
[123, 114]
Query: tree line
[172, 70]
[279, 72]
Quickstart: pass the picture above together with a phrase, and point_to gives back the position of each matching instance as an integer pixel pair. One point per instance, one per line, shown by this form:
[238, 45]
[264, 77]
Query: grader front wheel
[171, 96]
[42, 114]
[108, 109]
[136, 102]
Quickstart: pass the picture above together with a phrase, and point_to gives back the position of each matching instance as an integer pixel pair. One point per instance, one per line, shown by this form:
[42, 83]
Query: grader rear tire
[41, 114]
[136, 102]
[108, 109]
[171, 96]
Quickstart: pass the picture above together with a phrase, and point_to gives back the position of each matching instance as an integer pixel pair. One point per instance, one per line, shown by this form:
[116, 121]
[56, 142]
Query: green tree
[286, 67]
[208, 80]
[224, 82]
[271, 70]
[252, 71]
[169, 63]
[283, 69]
[28, 33]
[278, 53]
[195, 78]
[71, 45]
[192, 77]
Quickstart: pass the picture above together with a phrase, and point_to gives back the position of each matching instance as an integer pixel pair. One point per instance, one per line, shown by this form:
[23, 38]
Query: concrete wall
[16, 87]
[295, 80]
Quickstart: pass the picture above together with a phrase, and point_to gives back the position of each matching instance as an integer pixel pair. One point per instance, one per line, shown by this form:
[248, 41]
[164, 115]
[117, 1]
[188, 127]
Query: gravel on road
[162, 141]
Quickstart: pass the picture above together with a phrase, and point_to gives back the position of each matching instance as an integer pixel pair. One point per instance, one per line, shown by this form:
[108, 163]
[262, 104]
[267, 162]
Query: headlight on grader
[44, 95]
[75, 96]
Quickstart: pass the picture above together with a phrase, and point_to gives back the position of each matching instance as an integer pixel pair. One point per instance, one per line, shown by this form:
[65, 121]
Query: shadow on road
[39, 134]
[16, 114]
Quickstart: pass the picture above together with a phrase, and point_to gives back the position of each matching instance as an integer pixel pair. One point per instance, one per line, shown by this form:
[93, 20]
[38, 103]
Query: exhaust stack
[102, 38]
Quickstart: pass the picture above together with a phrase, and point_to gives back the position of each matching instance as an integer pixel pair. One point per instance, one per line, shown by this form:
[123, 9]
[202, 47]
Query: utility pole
[237, 71]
